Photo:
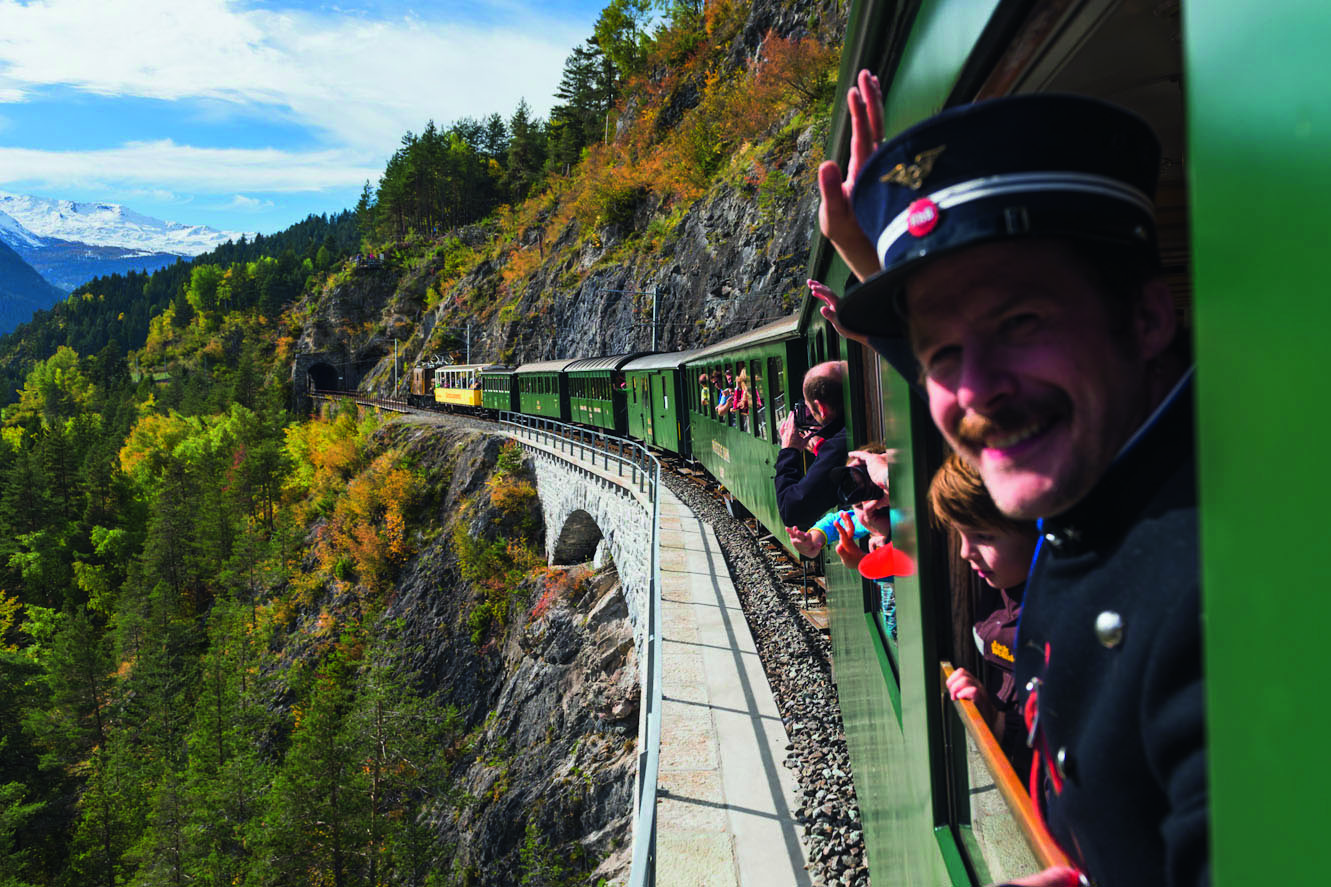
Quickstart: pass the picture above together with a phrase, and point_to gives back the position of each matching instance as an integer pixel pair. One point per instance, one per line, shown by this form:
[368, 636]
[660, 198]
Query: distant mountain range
[68, 243]
[22, 290]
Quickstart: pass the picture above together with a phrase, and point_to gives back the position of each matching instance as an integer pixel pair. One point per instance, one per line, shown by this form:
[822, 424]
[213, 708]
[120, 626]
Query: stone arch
[591, 511]
[323, 377]
[577, 540]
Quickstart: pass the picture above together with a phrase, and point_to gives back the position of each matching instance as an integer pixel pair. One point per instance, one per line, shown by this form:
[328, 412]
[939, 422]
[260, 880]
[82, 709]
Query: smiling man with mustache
[1011, 244]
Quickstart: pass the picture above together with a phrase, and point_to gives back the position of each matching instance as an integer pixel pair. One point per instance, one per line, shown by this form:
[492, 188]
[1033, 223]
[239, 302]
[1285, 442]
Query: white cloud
[241, 202]
[158, 195]
[362, 83]
[164, 165]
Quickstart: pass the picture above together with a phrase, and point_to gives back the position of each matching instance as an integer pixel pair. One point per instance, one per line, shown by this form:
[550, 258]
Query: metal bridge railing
[645, 473]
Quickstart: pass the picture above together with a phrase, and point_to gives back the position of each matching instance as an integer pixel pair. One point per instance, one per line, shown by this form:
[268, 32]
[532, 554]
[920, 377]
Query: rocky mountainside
[544, 778]
[544, 282]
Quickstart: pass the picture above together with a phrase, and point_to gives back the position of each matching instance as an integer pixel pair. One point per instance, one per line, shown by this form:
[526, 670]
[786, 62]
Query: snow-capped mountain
[107, 224]
[14, 234]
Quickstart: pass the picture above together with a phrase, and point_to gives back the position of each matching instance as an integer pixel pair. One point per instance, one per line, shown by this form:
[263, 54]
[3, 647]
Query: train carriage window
[742, 394]
[776, 373]
[728, 380]
[759, 400]
[719, 384]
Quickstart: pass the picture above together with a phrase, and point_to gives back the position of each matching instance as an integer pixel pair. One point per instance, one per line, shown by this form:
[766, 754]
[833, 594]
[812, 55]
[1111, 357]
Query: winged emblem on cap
[912, 175]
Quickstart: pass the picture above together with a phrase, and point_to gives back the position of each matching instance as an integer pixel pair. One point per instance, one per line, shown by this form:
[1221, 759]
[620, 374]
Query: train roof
[777, 330]
[462, 367]
[547, 366]
[496, 368]
[668, 360]
[612, 362]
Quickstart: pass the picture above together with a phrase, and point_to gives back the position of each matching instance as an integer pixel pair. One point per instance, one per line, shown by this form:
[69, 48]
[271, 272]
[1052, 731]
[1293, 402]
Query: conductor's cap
[1026, 166]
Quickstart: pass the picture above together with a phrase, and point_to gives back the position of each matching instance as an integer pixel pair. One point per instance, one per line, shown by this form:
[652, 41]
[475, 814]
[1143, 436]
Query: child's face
[1002, 558]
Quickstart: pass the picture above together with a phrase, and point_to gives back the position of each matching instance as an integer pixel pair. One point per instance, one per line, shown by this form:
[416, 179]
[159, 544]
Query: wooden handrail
[1042, 844]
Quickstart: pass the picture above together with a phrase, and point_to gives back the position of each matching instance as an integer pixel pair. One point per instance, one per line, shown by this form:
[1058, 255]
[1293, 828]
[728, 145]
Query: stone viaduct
[588, 515]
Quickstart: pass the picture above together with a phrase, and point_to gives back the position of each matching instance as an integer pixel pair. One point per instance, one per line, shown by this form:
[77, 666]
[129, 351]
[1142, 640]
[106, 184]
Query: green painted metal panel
[742, 463]
[551, 401]
[890, 755]
[593, 401]
[499, 391]
[952, 858]
[940, 43]
[1259, 133]
[639, 406]
[664, 404]
[739, 459]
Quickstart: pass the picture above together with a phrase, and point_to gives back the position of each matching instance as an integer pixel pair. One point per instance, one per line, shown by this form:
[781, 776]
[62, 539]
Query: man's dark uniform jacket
[1111, 631]
[804, 496]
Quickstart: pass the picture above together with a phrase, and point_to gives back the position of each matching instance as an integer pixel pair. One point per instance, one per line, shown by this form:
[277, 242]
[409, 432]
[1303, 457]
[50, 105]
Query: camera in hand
[853, 484]
[803, 417]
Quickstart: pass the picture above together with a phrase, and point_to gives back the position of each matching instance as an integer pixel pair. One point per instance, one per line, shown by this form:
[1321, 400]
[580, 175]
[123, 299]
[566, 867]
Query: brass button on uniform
[1061, 762]
[1109, 629]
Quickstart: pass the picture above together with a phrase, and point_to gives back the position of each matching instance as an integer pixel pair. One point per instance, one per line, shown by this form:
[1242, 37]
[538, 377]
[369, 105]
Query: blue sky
[247, 116]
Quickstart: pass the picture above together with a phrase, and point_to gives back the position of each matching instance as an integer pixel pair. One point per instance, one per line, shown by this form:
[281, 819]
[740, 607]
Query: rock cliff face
[730, 261]
[549, 697]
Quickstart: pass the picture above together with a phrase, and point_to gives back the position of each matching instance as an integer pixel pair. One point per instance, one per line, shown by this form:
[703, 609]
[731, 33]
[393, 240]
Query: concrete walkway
[725, 804]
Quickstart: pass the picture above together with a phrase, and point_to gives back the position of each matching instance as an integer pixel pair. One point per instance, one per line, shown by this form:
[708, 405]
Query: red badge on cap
[921, 217]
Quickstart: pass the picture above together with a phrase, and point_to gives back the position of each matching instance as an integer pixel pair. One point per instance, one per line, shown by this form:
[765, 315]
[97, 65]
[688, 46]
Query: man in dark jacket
[804, 489]
[1016, 240]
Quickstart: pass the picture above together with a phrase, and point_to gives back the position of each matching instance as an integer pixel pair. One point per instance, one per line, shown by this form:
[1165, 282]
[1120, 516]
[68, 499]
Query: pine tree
[526, 153]
[313, 825]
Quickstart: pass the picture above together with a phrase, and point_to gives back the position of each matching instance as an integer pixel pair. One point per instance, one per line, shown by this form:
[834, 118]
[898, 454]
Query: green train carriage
[740, 449]
[543, 389]
[658, 411]
[499, 391]
[1236, 92]
[597, 392]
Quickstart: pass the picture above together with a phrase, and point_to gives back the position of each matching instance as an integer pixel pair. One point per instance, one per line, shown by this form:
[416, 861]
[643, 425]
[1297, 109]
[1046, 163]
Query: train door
[666, 435]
